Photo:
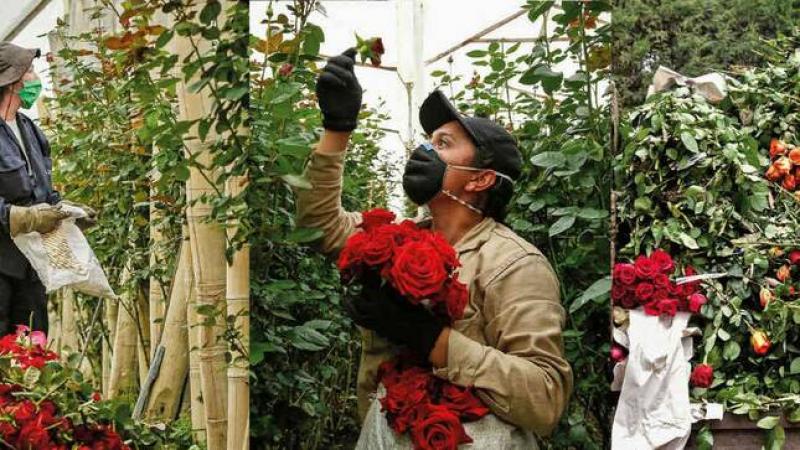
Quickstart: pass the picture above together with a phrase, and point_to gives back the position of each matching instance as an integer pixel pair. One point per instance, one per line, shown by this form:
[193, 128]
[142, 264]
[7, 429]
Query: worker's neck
[453, 220]
[8, 109]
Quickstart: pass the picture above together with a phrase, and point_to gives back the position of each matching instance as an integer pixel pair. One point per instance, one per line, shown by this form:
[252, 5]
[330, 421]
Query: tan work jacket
[508, 345]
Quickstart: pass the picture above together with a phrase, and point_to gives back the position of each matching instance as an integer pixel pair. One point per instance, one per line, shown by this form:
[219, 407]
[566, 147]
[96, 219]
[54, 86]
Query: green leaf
[541, 8]
[307, 338]
[705, 439]
[598, 288]
[731, 350]
[210, 12]
[561, 225]
[549, 160]
[768, 422]
[301, 235]
[689, 142]
[688, 241]
[776, 438]
[795, 366]
[477, 53]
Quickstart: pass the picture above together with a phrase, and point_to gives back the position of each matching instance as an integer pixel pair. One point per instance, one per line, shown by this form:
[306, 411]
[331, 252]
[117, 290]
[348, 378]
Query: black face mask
[424, 174]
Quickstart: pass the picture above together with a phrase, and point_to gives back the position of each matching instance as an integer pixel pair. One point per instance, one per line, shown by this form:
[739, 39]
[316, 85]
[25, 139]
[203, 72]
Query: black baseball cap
[491, 138]
[15, 61]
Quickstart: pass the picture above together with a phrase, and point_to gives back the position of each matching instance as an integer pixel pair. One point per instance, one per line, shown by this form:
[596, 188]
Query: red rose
[378, 248]
[438, 429]
[696, 301]
[23, 411]
[702, 375]
[33, 436]
[652, 309]
[618, 353]
[662, 281]
[689, 271]
[663, 260]
[285, 70]
[445, 250]
[618, 291]
[418, 270]
[376, 217]
[668, 306]
[794, 257]
[660, 294]
[644, 291]
[760, 342]
[453, 299]
[625, 273]
[96, 397]
[645, 267]
[463, 401]
[7, 431]
[351, 254]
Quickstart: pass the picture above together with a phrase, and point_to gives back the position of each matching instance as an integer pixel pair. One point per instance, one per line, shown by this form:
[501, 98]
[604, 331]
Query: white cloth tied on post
[653, 410]
[712, 86]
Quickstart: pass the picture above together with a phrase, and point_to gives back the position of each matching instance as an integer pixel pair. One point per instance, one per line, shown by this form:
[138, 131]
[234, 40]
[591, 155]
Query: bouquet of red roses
[421, 266]
[646, 282]
[42, 405]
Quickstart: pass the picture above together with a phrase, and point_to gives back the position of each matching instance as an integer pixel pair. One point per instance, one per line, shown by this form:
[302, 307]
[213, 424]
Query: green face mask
[30, 92]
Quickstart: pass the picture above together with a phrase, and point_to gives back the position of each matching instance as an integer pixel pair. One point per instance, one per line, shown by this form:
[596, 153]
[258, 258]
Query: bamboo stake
[196, 406]
[238, 300]
[122, 379]
[165, 396]
[111, 312]
[207, 241]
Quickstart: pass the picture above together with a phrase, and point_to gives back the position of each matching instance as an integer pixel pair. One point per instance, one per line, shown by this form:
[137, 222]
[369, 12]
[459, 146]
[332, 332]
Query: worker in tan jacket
[508, 345]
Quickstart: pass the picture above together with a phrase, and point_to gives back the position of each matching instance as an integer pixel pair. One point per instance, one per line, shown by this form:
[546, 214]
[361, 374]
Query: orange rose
[783, 165]
[783, 273]
[794, 156]
[775, 252]
[772, 173]
[790, 183]
[760, 342]
[776, 148]
[765, 296]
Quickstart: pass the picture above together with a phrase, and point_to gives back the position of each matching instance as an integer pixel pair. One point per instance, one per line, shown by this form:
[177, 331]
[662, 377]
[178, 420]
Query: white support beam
[27, 17]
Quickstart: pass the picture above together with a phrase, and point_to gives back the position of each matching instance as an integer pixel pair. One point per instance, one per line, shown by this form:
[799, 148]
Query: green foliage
[691, 181]
[304, 350]
[692, 37]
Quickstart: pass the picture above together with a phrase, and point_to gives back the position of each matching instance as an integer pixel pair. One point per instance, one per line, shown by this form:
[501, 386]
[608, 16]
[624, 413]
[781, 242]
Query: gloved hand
[83, 222]
[339, 93]
[383, 310]
[42, 218]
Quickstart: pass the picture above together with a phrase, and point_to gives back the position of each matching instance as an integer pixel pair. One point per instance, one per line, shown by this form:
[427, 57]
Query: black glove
[339, 93]
[383, 310]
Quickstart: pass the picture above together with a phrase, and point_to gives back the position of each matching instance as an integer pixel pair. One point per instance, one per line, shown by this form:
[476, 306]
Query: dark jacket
[17, 187]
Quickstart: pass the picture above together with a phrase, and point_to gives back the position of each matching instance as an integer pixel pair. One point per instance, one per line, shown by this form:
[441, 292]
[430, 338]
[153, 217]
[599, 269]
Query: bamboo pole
[123, 376]
[165, 396]
[68, 342]
[111, 313]
[196, 406]
[207, 241]
[238, 301]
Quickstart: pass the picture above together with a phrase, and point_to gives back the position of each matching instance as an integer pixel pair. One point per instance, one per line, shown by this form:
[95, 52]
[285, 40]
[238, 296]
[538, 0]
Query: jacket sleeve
[5, 211]
[523, 377]
[321, 206]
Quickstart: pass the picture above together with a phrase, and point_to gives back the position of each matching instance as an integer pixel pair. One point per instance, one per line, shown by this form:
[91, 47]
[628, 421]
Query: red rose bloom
[702, 375]
[663, 260]
[453, 299]
[376, 217]
[23, 411]
[696, 301]
[794, 257]
[662, 281]
[7, 431]
[418, 270]
[351, 254]
[645, 267]
[33, 436]
[644, 291]
[618, 291]
[378, 248]
[625, 273]
[618, 353]
[439, 429]
[463, 401]
[285, 70]
[445, 250]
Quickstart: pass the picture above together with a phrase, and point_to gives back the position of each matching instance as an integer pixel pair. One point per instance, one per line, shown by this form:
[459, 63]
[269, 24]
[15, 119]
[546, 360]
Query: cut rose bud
[760, 342]
[783, 273]
[783, 165]
[702, 376]
[794, 156]
[789, 183]
[617, 353]
[776, 148]
[794, 257]
[696, 301]
[772, 173]
[765, 296]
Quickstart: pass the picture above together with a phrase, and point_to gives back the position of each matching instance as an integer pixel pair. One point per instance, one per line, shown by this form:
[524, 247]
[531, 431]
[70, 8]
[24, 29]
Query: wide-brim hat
[15, 61]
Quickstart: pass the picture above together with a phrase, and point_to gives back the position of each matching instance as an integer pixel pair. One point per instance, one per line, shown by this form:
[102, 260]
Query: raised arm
[339, 95]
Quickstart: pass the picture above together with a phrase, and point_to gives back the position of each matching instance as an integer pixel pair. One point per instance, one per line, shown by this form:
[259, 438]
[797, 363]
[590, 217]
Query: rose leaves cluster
[431, 410]
[420, 264]
[646, 282]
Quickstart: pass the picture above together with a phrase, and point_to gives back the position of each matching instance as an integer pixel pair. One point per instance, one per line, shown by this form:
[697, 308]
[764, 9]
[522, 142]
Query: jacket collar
[476, 236]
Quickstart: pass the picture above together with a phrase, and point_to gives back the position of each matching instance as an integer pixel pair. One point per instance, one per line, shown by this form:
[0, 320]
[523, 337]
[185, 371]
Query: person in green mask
[28, 202]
